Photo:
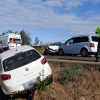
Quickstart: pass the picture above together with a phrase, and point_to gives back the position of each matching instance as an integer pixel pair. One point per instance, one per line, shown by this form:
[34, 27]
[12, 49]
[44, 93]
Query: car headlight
[56, 49]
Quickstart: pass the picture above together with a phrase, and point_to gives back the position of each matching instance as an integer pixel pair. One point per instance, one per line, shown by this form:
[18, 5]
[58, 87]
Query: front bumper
[51, 51]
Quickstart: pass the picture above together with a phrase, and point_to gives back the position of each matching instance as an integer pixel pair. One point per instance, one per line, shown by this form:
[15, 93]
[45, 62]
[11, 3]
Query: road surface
[76, 58]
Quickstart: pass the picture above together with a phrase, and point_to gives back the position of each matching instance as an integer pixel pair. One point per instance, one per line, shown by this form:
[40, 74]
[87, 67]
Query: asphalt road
[76, 58]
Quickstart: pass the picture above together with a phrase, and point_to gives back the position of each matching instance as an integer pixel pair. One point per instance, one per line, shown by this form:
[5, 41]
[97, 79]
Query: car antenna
[16, 46]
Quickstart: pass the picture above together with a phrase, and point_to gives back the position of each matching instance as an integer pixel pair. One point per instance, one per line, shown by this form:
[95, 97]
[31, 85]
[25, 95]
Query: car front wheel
[61, 52]
[84, 52]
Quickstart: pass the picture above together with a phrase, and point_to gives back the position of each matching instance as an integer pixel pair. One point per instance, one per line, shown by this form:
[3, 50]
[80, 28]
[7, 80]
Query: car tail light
[43, 61]
[91, 44]
[5, 76]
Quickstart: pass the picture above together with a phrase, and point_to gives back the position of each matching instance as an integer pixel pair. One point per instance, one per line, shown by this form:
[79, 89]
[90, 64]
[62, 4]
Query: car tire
[61, 52]
[84, 52]
[3, 96]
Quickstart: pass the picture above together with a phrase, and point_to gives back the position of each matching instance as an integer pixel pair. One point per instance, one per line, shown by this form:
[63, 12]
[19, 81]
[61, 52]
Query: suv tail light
[91, 44]
[43, 61]
[5, 76]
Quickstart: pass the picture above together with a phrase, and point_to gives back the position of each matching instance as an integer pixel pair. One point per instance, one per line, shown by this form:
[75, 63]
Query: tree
[36, 41]
[26, 40]
[41, 43]
[9, 31]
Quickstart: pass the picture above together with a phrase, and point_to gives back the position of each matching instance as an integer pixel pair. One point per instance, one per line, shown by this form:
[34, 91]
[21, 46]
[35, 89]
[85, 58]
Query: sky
[50, 20]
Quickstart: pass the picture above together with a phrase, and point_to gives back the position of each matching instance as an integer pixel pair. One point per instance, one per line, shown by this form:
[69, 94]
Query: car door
[76, 45]
[69, 46]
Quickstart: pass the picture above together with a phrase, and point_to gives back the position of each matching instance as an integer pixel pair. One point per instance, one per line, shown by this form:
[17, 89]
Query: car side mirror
[67, 44]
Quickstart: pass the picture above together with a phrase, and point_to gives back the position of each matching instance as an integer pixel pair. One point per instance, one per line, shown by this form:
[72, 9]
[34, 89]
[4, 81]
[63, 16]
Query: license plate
[29, 84]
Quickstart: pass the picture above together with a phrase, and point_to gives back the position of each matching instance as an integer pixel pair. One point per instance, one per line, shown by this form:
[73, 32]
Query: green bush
[41, 86]
[70, 74]
[40, 50]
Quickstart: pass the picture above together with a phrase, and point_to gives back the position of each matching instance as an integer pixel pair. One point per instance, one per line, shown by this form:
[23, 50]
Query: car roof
[84, 35]
[56, 43]
[12, 52]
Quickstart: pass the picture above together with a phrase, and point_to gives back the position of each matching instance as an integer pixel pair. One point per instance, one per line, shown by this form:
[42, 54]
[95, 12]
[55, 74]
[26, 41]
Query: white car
[80, 45]
[52, 48]
[20, 68]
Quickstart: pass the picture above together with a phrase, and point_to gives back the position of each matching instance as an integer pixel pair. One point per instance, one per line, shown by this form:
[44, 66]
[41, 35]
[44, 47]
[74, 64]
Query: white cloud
[32, 14]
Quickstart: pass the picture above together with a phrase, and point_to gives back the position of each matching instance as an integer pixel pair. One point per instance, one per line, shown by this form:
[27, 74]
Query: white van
[10, 41]
[80, 45]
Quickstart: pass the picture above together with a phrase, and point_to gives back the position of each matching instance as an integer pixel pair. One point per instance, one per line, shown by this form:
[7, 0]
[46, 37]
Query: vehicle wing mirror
[67, 44]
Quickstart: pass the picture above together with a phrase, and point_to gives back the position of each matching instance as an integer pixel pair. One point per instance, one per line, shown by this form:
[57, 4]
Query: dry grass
[87, 88]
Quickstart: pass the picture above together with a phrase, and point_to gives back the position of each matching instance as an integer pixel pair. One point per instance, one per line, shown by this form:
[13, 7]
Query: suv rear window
[20, 59]
[94, 38]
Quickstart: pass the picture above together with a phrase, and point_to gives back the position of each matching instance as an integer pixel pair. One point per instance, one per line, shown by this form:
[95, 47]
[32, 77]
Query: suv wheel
[61, 52]
[84, 52]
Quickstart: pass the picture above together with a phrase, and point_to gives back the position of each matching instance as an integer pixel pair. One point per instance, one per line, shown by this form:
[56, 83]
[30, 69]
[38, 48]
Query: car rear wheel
[84, 52]
[3, 96]
[61, 52]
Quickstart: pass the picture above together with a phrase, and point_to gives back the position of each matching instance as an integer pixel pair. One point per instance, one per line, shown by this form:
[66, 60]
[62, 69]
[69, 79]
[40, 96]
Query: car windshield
[55, 44]
[94, 38]
[20, 59]
[13, 40]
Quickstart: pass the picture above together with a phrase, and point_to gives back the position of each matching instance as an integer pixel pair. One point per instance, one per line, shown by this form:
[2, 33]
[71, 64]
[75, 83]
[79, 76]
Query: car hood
[53, 47]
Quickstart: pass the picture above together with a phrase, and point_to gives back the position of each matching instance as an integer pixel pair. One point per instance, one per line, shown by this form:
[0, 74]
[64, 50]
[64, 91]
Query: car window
[85, 39]
[31, 56]
[55, 44]
[70, 41]
[18, 41]
[94, 38]
[20, 59]
[13, 40]
[77, 40]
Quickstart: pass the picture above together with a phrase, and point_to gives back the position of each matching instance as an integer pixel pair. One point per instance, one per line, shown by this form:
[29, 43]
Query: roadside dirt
[88, 88]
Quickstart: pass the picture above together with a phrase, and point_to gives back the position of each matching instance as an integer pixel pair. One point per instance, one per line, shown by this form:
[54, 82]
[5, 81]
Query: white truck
[10, 41]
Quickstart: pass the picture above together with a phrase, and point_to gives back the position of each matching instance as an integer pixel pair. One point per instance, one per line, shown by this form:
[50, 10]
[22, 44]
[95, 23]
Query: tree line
[26, 39]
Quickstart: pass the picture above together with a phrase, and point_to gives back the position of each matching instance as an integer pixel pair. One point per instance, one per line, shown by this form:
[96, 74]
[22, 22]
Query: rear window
[20, 59]
[94, 38]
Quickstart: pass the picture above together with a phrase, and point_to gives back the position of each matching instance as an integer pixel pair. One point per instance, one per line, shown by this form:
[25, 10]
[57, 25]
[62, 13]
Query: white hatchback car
[20, 68]
[84, 45]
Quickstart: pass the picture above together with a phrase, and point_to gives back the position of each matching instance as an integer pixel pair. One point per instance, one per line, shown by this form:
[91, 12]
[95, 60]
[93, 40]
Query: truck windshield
[20, 59]
[13, 40]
